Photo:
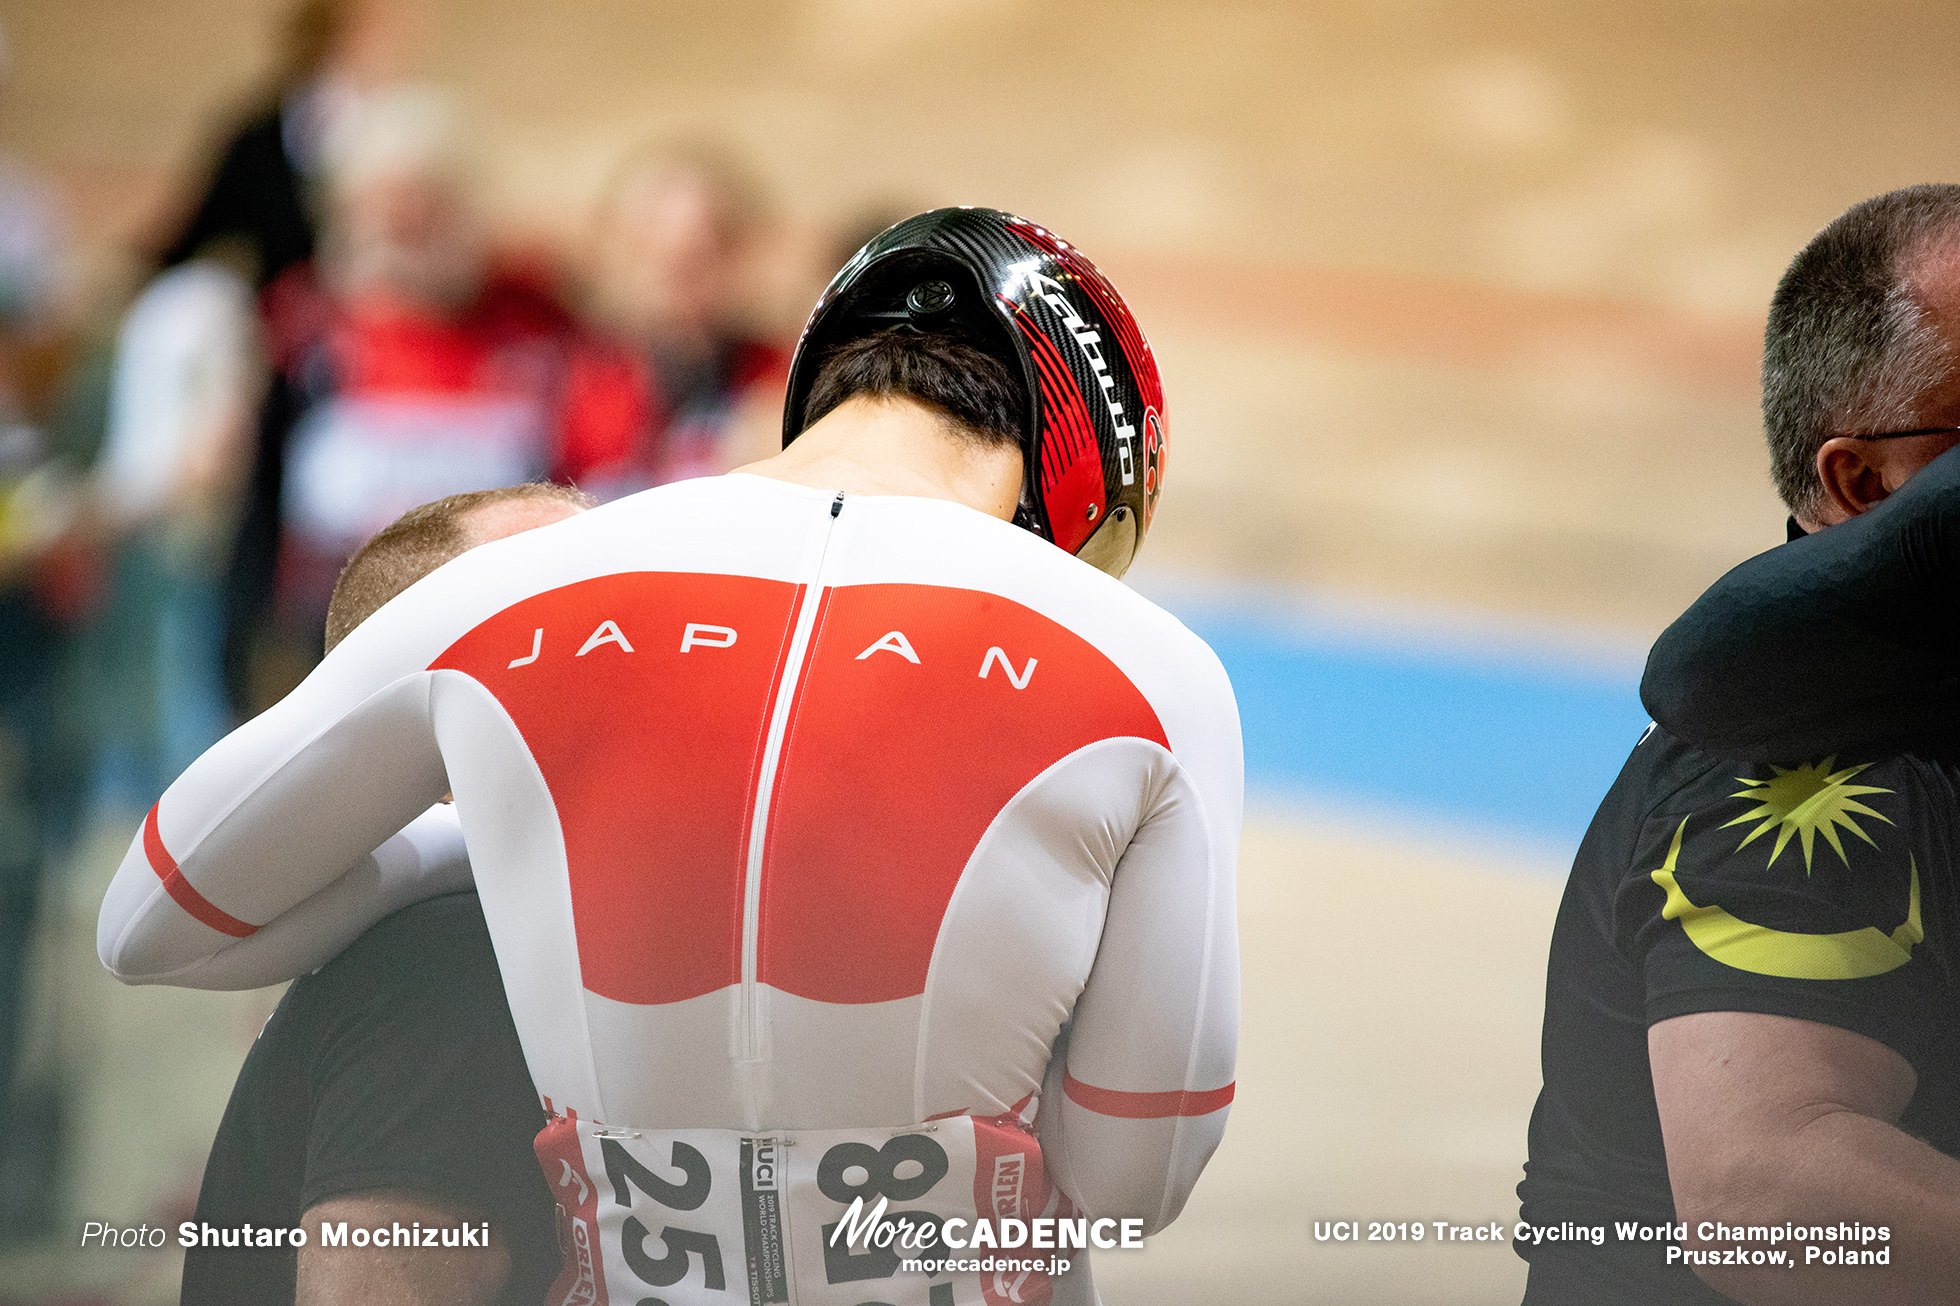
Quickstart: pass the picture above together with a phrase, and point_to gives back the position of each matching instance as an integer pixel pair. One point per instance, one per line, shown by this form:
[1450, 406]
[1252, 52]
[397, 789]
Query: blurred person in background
[47, 588]
[185, 387]
[261, 193]
[675, 233]
[409, 363]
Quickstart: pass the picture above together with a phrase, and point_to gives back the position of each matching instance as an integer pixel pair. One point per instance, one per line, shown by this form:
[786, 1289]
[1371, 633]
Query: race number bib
[696, 1216]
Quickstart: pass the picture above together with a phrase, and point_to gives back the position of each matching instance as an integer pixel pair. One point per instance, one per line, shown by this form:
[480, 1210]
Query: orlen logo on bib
[585, 1288]
[1008, 1171]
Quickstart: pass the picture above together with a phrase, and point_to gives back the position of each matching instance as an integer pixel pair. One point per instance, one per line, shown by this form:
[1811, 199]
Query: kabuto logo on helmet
[1093, 466]
[1090, 342]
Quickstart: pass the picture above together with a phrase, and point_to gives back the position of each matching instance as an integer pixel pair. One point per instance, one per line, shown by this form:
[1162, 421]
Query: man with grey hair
[1858, 375]
[410, 364]
[1752, 1024]
[1846, 637]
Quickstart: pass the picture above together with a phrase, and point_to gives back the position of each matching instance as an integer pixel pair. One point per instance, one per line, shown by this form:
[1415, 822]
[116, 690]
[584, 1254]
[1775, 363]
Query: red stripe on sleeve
[182, 891]
[1145, 1106]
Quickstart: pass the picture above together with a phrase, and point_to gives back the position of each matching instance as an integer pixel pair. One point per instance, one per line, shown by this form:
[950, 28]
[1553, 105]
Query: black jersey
[1821, 889]
[394, 1066]
[1847, 637]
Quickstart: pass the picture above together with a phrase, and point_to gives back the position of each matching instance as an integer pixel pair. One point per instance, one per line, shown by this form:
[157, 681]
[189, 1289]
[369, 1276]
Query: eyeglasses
[1900, 435]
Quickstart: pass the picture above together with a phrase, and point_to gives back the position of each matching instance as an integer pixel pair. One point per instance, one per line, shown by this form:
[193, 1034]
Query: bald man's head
[424, 538]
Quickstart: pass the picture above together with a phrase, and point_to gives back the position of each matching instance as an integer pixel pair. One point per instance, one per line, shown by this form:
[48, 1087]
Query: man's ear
[1852, 484]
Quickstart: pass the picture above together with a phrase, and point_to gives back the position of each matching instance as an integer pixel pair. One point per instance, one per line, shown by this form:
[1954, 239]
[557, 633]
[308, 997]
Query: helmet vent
[928, 299]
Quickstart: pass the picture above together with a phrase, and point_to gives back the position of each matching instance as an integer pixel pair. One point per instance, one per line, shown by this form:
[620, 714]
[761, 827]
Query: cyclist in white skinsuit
[834, 845]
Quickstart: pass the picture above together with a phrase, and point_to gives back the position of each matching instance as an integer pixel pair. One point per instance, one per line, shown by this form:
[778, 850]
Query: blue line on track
[1460, 737]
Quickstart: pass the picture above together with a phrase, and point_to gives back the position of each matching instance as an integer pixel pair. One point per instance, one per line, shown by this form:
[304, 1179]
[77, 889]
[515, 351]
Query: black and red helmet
[1095, 456]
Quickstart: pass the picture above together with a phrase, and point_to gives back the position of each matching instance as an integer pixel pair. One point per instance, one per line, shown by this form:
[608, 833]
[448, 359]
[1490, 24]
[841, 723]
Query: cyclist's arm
[1842, 638]
[1146, 1069]
[426, 859]
[283, 806]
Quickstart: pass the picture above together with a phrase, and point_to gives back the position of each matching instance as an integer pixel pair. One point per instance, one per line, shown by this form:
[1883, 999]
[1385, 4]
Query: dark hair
[1849, 347]
[971, 389]
[415, 544]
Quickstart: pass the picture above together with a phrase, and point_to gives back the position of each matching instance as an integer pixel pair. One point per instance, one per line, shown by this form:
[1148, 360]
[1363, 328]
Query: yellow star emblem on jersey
[1849, 954]
[1804, 802]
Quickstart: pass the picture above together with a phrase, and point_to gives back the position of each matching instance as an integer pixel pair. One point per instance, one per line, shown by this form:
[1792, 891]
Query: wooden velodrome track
[1458, 306]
